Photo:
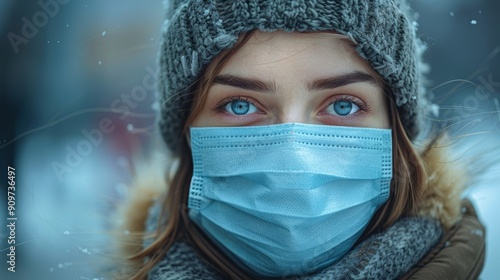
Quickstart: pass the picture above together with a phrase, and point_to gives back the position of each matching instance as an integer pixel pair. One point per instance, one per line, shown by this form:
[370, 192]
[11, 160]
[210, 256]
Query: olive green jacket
[460, 253]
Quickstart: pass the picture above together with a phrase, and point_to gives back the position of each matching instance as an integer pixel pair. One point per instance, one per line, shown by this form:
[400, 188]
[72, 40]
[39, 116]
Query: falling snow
[84, 250]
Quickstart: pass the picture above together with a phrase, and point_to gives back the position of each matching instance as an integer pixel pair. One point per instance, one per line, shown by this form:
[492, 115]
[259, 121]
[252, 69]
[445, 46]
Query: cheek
[381, 119]
[202, 118]
[381, 111]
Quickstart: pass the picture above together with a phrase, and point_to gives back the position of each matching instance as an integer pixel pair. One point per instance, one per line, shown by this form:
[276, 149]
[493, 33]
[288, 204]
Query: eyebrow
[339, 81]
[245, 83]
[315, 85]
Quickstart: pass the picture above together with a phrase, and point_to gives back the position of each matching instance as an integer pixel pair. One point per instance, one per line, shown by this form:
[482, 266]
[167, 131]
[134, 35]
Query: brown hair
[409, 178]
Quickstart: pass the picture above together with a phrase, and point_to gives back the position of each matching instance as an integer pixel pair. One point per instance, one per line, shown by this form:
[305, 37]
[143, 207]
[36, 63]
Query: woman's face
[313, 78]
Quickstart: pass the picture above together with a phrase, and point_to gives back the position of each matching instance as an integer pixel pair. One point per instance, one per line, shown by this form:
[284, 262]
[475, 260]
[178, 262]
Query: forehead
[307, 54]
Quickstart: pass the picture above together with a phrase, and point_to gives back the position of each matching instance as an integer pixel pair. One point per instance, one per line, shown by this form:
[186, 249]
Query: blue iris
[240, 107]
[342, 108]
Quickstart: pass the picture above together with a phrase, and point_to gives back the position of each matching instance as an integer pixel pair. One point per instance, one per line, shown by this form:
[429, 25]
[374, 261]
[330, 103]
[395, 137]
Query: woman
[303, 149]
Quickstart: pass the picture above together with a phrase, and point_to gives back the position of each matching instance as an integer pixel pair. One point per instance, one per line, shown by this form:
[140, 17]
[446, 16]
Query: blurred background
[77, 101]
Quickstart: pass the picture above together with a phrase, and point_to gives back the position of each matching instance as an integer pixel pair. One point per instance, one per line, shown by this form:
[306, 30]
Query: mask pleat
[287, 199]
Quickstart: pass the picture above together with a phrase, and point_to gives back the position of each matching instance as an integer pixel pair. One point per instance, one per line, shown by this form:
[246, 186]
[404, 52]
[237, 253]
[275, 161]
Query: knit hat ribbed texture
[195, 31]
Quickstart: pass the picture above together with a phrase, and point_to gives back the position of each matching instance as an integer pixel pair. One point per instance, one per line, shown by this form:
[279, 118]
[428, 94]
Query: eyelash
[220, 106]
[348, 98]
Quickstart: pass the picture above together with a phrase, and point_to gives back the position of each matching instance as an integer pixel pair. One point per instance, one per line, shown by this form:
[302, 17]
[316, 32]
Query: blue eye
[342, 108]
[240, 107]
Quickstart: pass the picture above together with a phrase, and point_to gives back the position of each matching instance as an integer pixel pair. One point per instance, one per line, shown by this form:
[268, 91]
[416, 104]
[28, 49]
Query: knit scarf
[385, 255]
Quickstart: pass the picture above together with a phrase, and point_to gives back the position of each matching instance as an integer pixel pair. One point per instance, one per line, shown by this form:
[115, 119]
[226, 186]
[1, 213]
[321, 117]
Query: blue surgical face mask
[287, 199]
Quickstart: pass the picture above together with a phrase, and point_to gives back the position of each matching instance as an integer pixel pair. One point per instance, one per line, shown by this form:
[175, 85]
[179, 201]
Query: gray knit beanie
[195, 31]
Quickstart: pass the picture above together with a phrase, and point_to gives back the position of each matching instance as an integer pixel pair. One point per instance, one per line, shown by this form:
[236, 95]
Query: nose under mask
[287, 199]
